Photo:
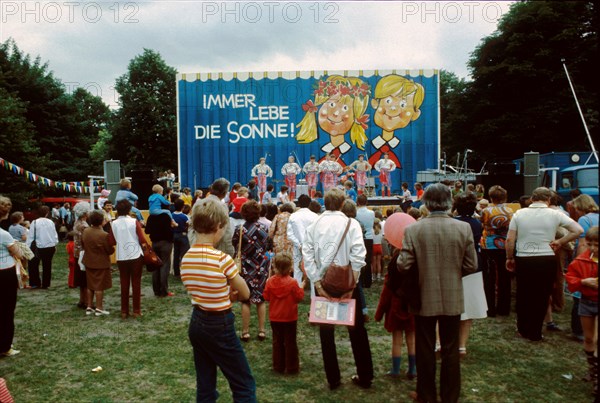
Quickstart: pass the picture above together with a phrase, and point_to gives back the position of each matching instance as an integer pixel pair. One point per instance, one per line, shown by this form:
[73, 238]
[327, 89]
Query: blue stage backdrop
[227, 121]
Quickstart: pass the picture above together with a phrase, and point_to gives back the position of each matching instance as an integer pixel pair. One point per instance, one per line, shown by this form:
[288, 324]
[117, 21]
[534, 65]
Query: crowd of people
[237, 245]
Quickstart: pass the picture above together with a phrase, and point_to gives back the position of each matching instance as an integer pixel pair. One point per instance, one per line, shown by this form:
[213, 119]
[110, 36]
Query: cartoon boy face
[336, 116]
[395, 111]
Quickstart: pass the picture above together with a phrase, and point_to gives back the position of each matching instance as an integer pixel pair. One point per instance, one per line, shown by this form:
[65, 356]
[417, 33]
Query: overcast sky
[90, 44]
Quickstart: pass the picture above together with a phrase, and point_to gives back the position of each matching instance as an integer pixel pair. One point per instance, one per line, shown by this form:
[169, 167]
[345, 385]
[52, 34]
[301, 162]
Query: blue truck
[565, 171]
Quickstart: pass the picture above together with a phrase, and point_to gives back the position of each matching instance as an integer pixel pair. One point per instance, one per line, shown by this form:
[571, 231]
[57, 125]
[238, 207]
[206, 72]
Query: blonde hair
[308, 125]
[157, 189]
[585, 204]
[243, 190]
[395, 84]
[125, 183]
[208, 217]
[377, 226]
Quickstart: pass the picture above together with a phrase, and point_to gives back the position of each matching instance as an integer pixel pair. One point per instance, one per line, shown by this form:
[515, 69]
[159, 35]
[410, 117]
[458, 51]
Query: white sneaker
[100, 312]
[89, 311]
[11, 352]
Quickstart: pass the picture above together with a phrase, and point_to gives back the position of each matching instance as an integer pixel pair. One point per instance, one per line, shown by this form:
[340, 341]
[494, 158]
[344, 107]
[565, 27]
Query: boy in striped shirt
[209, 275]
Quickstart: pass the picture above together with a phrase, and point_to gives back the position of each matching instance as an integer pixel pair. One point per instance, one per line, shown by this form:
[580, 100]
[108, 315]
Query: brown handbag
[151, 259]
[338, 280]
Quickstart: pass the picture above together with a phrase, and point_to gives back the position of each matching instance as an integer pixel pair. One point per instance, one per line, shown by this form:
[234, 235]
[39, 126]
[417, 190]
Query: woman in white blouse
[8, 283]
[43, 232]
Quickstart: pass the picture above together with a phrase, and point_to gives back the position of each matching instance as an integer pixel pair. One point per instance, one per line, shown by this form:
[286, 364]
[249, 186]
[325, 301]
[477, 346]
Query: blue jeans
[181, 244]
[216, 344]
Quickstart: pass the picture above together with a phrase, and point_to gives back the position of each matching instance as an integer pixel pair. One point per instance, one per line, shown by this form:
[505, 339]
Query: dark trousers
[45, 257]
[130, 272]
[425, 349]
[359, 340]
[285, 347]
[181, 244]
[365, 272]
[8, 303]
[535, 280]
[160, 276]
[496, 275]
[216, 345]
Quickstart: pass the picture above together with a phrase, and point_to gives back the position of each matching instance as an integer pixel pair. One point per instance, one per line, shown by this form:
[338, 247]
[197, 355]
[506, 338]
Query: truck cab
[582, 177]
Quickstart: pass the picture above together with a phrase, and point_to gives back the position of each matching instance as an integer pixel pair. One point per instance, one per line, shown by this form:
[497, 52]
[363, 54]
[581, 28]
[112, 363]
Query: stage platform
[383, 201]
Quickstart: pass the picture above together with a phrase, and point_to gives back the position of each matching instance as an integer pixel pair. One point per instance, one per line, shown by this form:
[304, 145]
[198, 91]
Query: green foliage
[44, 129]
[519, 99]
[144, 134]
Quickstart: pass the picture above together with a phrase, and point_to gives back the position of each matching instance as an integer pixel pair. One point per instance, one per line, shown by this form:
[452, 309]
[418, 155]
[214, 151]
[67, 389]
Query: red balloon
[394, 228]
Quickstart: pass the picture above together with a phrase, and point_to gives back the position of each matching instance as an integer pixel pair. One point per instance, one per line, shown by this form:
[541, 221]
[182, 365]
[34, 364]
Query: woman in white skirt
[474, 294]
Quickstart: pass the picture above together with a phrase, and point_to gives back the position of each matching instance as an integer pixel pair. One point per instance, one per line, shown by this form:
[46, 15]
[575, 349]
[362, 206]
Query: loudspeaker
[112, 178]
[142, 181]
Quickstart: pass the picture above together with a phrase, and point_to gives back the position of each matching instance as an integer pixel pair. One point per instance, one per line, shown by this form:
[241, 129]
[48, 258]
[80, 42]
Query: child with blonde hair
[156, 201]
[341, 103]
[582, 276]
[283, 293]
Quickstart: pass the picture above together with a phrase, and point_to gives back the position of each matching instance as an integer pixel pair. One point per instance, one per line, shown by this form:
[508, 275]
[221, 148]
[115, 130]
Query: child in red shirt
[72, 261]
[242, 197]
[582, 275]
[283, 293]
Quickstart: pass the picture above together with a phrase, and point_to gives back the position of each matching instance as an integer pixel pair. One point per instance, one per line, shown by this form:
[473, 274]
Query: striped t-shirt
[205, 272]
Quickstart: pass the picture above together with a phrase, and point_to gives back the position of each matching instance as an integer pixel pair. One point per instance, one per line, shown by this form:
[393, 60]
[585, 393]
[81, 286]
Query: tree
[18, 147]
[519, 99]
[453, 117]
[44, 129]
[144, 134]
[62, 125]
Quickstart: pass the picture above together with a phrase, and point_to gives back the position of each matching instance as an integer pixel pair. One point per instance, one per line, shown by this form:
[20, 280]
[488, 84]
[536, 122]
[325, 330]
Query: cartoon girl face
[396, 112]
[336, 115]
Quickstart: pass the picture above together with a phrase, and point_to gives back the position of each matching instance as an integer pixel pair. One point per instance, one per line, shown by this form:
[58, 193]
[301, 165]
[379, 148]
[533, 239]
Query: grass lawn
[150, 359]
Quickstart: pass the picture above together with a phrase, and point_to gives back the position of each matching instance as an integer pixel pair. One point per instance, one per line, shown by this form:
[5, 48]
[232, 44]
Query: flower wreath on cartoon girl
[343, 102]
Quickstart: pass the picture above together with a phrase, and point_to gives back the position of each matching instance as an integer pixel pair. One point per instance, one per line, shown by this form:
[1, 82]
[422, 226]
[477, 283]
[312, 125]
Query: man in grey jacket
[443, 250]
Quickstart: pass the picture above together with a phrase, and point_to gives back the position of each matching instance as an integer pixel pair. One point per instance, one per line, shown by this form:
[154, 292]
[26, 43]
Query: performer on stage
[329, 169]
[290, 170]
[311, 170]
[261, 171]
[361, 167]
[385, 166]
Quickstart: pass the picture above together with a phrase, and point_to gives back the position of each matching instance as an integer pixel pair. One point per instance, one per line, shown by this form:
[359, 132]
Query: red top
[580, 268]
[232, 196]
[420, 194]
[237, 204]
[390, 305]
[71, 251]
[283, 294]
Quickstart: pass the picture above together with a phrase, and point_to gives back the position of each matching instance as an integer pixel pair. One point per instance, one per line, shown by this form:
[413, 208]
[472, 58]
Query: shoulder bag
[151, 259]
[33, 246]
[238, 256]
[338, 280]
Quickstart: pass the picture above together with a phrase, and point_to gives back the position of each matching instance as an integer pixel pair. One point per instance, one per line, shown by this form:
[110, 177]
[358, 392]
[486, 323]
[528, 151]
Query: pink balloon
[394, 228]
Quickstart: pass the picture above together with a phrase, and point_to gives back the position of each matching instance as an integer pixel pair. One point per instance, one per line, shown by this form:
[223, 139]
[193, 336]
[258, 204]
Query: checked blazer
[444, 251]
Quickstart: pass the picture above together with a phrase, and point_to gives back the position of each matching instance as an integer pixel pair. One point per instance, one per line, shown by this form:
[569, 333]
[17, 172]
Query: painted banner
[228, 121]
